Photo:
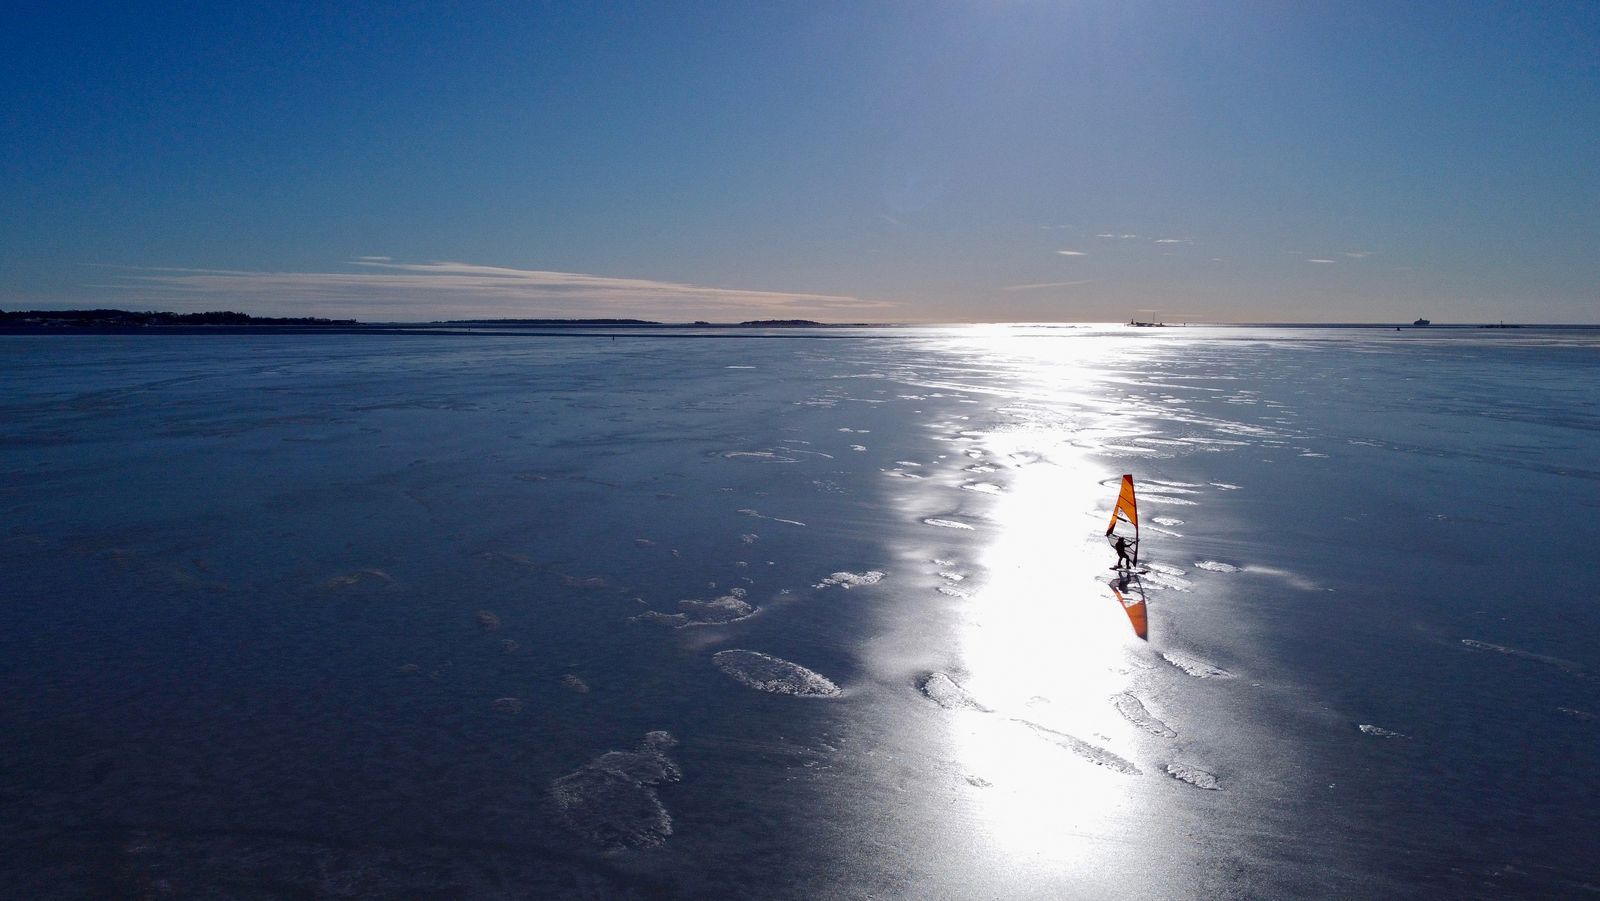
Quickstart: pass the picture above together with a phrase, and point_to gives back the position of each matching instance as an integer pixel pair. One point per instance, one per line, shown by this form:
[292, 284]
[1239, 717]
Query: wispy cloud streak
[391, 290]
[1038, 285]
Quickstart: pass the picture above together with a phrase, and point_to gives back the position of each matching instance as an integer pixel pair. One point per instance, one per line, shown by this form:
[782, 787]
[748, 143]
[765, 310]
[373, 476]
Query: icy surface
[316, 615]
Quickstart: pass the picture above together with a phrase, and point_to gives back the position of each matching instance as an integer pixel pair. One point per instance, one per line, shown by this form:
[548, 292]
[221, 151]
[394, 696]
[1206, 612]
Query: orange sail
[1126, 510]
[1127, 507]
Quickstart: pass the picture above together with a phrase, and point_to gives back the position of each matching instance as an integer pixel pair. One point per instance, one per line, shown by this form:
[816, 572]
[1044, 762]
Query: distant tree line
[151, 317]
[551, 322]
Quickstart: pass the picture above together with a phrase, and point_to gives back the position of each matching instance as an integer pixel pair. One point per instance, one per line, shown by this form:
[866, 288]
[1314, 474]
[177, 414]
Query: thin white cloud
[453, 290]
[1174, 241]
[1038, 285]
[1072, 253]
[1358, 254]
[1319, 260]
[1107, 235]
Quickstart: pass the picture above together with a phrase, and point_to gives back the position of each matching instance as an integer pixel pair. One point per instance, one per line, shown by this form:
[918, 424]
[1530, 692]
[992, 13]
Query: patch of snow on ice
[764, 456]
[1092, 753]
[759, 515]
[1563, 665]
[1193, 775]
[717, 611]
[1162, 580]
[1194, 667]
[764, 672]
[1135, 712]
[850, 580]
[948, 693]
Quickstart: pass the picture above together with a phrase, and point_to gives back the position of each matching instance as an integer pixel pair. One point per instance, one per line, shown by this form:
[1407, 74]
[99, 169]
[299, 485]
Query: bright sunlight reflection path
[1045, 644]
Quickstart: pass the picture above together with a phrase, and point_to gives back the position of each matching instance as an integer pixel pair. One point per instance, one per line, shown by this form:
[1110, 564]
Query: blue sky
[918, 161]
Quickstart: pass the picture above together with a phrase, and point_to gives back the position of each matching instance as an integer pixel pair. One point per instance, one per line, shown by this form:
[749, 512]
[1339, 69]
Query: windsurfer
[1121, 547]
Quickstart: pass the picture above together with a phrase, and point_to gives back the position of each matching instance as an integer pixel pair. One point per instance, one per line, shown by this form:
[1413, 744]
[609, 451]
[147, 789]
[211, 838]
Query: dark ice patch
[360, 582]
[612, 802]
[718, 611]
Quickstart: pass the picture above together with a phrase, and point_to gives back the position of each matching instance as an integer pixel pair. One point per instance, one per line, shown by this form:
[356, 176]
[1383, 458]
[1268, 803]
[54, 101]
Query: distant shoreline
[124, 322]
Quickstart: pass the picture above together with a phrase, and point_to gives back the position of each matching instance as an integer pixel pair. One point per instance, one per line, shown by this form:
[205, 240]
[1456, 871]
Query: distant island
[129, 318]
[107, 320]
[549, 322]
[226, 320]
[578, 323]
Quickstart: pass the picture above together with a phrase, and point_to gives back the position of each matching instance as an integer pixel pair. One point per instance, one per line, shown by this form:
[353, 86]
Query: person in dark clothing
[1121, 547]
